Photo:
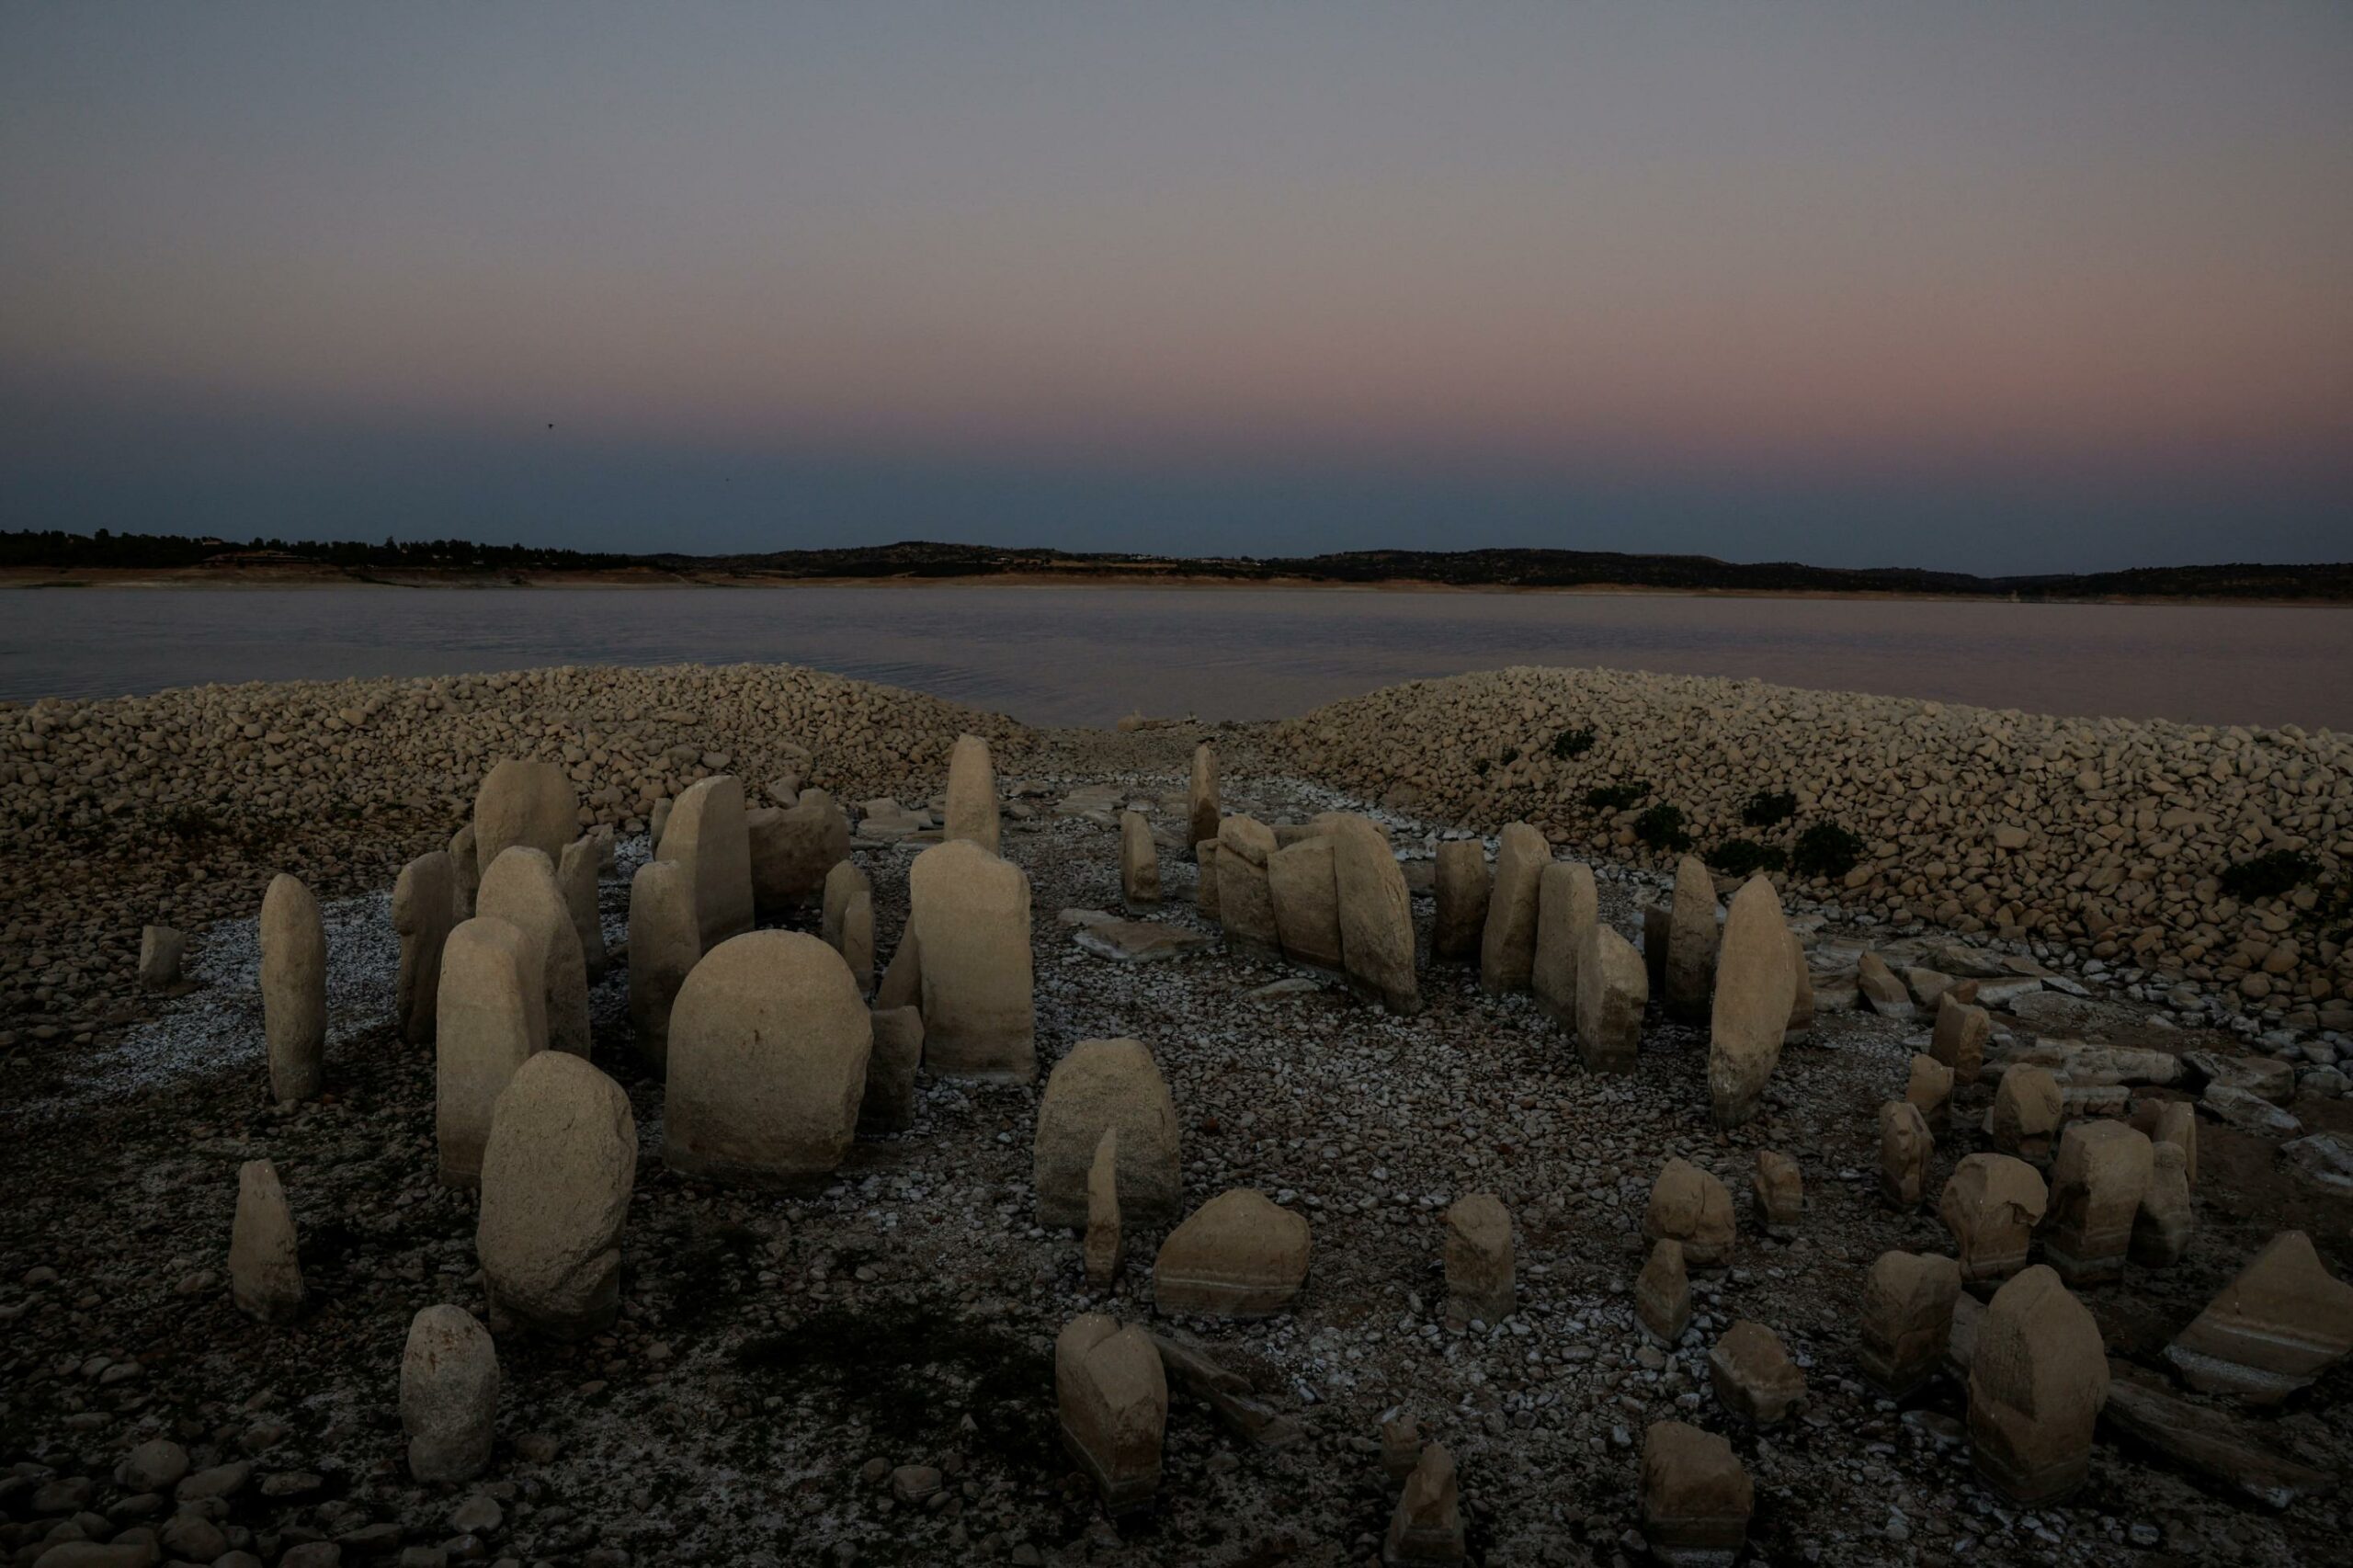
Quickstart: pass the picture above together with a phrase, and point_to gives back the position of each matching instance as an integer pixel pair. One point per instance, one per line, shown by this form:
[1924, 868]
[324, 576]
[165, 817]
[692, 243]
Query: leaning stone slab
[664, 945]
[265, 1267]
[1692, 933]
[1750, 1009]
[2202, 1440]
[1695, 1497]
[529, 803]
[293, 989]
[1462, 888]
[889, 1103]
[492, 1020]
[971, 913]
[1507, 944]
[2273, 1330]
[707, 837]
[1906, 1319]
[1238, 1255]
[1691, 1206]
[793, 847]
[1612, 991]
[1138, 941]
[1104, 1085]
[972, 794]
[2036, 1386]
[556, 1178]
[1376, 916]
[1112, 1396]
[1245, 902]
[1306, 898]
[449, 1394]
[424, 908]
[1567, 908]
[2096, 1183]
[1991, 1204]
[520, 888]
[769, 1041]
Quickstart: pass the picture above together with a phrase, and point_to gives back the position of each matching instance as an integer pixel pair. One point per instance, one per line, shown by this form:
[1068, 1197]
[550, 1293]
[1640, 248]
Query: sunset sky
[1991, 286]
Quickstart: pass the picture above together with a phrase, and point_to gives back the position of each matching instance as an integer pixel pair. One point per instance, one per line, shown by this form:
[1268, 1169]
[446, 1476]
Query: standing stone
[1959, 1039]
[520, 889]
[792, 848]
[1202, 804]
[768, 1046]
[1425, 1529]
[1376, 916]
[2164, 1222]
[1801, 1025]
[265, 1263]
[1401, 1445]
[1906, 1319]
[2096, 1187]
[1104, 1248]
[1929, 1088]
[1567, 908]
[160, 952]
[490, 1021]
[1658, 927]
[556, 1177]
[889, 1103]
[1781, 1194]
[449, 1394]
[857, 939]
[1238, 1255]
[1508, 945]
[1246, 904]
[1139, 863]
[1692, 933]
[2175, 1122]
[2036, 1386]
[1105, 1084]
[1461, 918]
[707, 837]
[529, 803]
[1662, 1293]
[970, 911]
[658, 822]
[972, 794]
[575, 876]
[1751, 1007]
[1905, 1147]
[1479, 1276]
[1991, 1204]
[1752, 1375]
[465, 864]
[1305, 894]
[843, 882]
[902, 982]
[2027, 1113]
[1696, 1497]
[1112, 1398]
[424, 907]
[2276, 1328]
[1692, 1207]
[665, 944]
[293, 989]
[1612, 991]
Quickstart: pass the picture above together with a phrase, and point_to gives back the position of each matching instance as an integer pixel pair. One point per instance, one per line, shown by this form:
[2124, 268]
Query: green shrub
[1825, 849]
[1616, 797]
[1511, 754]
[1745, 857]
[2272, 875]
[1660, 827]
[1480, 766]
[1572, 742]
[1769, 806]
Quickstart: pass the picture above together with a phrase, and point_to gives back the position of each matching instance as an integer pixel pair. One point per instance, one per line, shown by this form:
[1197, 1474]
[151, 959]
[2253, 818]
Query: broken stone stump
[2205, 1441]
[1138, 863]
[161, 948]
[2096, 1183]
[491, 1022]
[1750, 1008]
[1105, 1245]
[1425, 1530]
[294, 990]
[424, 909]
[1567, 907]
[1691, 1206]
[1662, 1293]
[529, 803]
[1612, 991]
[664, 945]
[2275, 1329]
[1401, 1445]
[2027, 1115]
[1202, 804]
[1112, 1396]
[449, 1394]
[1507, 941]
[1752, 1375]
[1696, 1497]
[1905, 1147]
[1906, 1319]
[2175, 1122]
[1228, 1394]
[556, 1178]
[2036, 1385]
[520, 887]
[1461, 890]
[264, 1264]
[1930, 1087]
[1100, 1085]
[889, 1103]
[1991, 1204]
[1959, 1037]
[1238, 1255]
[1479, 1273]
[1692, 932]
[2163, 1224]
[972, 794]
[970, 910]
[1246, 904]
[1781, 1194]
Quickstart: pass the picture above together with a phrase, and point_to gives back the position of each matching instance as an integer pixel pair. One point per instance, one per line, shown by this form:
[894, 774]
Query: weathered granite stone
[575, 875]
[1246, 904]
[971, 913]
[1480, 1280]
[1781, 1194]
[465, 864]
[1112, 1395]
[1662, 1293]
[664, 945]
[1567, 908]
[902, 982]
[2036, 1385]
[2276, 1328]
[492, 1019]
[1692, 933]
[1929, 1088]
[1306, 893]
[1105, 1246]
[1752, 1375]
[1507, 944]
[2028, 1114]
[529, 803]
[1692, 1207]
[1612, 991]
[424, 908]
[1105, 1083]
[1376, 916]
[449, 1394]
[1991, 1204]
[889, 1103]
[2096, 1187]
[556, 1178]
[161, 948]
[1750, 1008]
[294, 990]
[1462, 888]
[711, 843]
[2175, 1122]
[520, 887]
[1906, 1319]
[264, 1266]
[1695, 1497]
[972, 794]
[1238, 1255]
[1882, 992]
[1905, 1147]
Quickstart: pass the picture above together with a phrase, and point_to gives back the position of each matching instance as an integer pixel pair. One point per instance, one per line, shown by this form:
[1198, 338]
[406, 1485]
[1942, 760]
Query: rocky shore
[865, 1371]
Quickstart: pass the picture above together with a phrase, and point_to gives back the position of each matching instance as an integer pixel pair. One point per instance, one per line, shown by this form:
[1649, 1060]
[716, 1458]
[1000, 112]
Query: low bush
[1745, 857]
[1572, 742]
[1616, 797]
[2273, 875]
[1660, 827]
[1769, 806]
[1825, 849]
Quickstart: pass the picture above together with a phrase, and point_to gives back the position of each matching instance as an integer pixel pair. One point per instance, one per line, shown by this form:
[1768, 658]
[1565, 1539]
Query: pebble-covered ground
[778, 1357]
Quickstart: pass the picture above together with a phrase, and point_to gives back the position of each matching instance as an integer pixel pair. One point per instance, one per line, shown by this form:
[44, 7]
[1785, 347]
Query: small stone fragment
[1425, 1530]
[1238, 1255]
[1695, 1497]
[1781, 1194]
[1662, 1293]
[1692, 1207]
[2163, 1224]
[1905, 1147]
[1138, 863]
[449, 1394]
[1752, 1375]
[1930, 1087]
[161, 949]
[1959, 1039]
[1479, 1273]
[1104, 1246]
[1906, 1319]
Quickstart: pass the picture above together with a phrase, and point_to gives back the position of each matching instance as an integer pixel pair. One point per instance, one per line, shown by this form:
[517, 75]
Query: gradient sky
[2002, 286]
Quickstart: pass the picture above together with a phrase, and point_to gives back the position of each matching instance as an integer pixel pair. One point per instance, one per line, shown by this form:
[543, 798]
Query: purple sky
[1994, 287]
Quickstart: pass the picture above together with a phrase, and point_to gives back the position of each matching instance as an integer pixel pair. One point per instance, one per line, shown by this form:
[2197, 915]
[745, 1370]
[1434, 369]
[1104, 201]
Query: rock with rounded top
[843, 882]
[1101, 1085]
[556, 1177]
[520, 888]
[1905, 1146]
[1781, 1194]
[1480, 1277]
[1238, 1255]
[1695, 1497]
[793, 847]
[971, 913]
[1991, 1204]
[264, 1263]
[1959, 1037]
[1906, 1319]
[1692, 1207]
[2275, 1329]
[1376, 915]
[1461, 891]
[155, 1465]
[1929, 1088]
[973, 811]
[449, 1394]
[1138, 863]
[1749, 1011]
[709, 838]
[1426, 1528]
[1202, 802]
[1662, 1293]
[1105, 1246]
[2166, 1220]
[2029, 1112]
[2037, 1381]
[1507, 942]
[1612, 990]
[1692, 934]
[2097, 1182]
[525, 802]
[1305, 896]
[889, 1103]
[575, 875]
[293, 989]
[1752, 1375]
[1111, 1396]
[664, 945]
[769, 1041]
[425, 910]
[1568, 906]
[1245, 902]
[492, 1020]
[161, 948]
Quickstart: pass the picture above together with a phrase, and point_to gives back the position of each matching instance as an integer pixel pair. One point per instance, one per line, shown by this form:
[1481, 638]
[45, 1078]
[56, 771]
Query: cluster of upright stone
[520, 887]
[1107, 1085]
[707, 839]
[1613, 988]
[1991, 1204]
[1692, 933]
[768, 1056]
[1481, 1281]
[293, 989]
[972, 794]
[2037, 1381]
[1139, 863]
[1695, 1497]
[492, 1018]
[2096, 1183]
[2276, 1328]
[1568, 907]
[424, 908]
[664, 945]
[1238, 1255]
[1203, 806]
[970, 914]
[265, 1263]
[1690, 1206]
[1750, 1008]
[1906, 1319]
[1507, 942]
[1461, 888]
[449, 1394]
[1111, 1394]
[556, 1177]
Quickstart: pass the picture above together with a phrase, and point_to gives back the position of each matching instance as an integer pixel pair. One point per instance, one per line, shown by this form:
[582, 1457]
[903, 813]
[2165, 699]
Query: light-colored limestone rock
[1567, 908]
[793, 849]
[1904, 1148]
[556, 1178]
[1662, 1293]
[1305, 894]
[1105, 1083]
[970, 911]
[1692, 933]
[707, 837]
[972, 794]
[1105, 1246]
[1201, 803]
[664, 945]
[465, 865]
[520, 887]
[1480, 1280]
[2166, 1220]
[2096, 1186]
[1112, 1396]
[2036, 1385]
[1959, 1039]
[1426, 1528]
[1929, 1088]
[1781, 1194]
[449, 1394]
[294, 990]
[1750, 1009]
[491, 1019]
[1906, 1319]
[2276, 1328]
[1612, 991]
[1138, 863]
[769, 1042]
[889, 1103]
[575, 875]
[1462, 888]
[529, 803]
[2029, 1112]
[1376, 916]
[1238, 1255]
[1752, 1375]
[1508, 943]
[1692, 1207]
[1695, 1497]
[161, 948]
[1991, 1204]
[424, 908]
[1246, 904]
[264, 1263]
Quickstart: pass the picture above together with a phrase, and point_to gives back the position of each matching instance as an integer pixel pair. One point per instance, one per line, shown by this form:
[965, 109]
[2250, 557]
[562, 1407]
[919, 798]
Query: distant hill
[425, 562]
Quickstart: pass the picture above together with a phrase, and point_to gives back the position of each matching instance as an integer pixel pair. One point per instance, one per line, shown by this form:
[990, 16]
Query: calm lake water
[1057, 655]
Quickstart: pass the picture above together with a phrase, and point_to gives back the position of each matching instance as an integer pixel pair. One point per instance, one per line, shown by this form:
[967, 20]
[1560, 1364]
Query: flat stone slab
[1138, 941]
[2324, 1157]
[2205, 1441]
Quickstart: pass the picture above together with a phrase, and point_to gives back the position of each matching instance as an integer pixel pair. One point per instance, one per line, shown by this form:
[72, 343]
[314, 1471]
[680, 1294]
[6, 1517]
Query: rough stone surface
[449, 1394]
[1692, 933]
[1426, 1528]
[1112, 1396]
[1238, 1255]
[526, 803]
[492, 1021]
[1695, 1497]
[1507, 942]
[1305, 894]
[1105, 1247]
[294, 990]
[792, 848]
[1479, 1273]
[1612, 991]
[1752, 1375]
[1781, 1194]
[1750, 1008]
[889, 1102]
[161, 948]
[1662, 1293]
[1461, 887]
[1905, 1146]
[972, 811]
[710, 842]
[1906, 1319]
[576, 874]
[264, 1266]
[2166, 1220]
[2036, 1385]
[2028, 1111]
[2097, 1182]
[556, 1178]
[1959, 1039]
[2277, 1327]
[1692, 1207]
[1202, 802]
[424, 908]
[1138, 863]
[1991, 1204]
[664, 945]
[1567, 909]
[520, 887]
[970, 911]
[1376, 916]
[1929, 1087]
[1102, 1084]
[1246, 904]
